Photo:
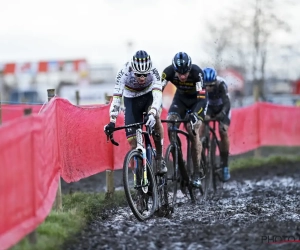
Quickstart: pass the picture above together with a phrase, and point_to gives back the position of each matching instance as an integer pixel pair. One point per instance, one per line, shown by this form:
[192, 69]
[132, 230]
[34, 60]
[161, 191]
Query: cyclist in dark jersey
[219, 107]
[189, 96]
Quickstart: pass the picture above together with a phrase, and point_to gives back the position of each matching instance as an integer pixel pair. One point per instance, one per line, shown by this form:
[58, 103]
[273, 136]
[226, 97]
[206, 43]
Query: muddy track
[257, 208]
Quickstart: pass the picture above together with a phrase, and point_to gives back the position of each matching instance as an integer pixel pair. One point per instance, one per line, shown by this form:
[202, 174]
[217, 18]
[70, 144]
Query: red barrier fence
[11, 112]
[68, 140]
[29, 174]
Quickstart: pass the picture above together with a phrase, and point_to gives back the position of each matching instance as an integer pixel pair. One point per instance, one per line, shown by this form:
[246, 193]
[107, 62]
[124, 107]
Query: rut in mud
[257, 208]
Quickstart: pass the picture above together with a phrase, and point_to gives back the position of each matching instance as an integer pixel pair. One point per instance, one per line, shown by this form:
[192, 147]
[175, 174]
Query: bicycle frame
[174, 129]
[144, 145]
[177, 131]
[212, 130]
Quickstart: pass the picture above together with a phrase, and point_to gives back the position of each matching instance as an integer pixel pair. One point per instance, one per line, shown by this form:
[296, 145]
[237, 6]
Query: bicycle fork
[139, 138]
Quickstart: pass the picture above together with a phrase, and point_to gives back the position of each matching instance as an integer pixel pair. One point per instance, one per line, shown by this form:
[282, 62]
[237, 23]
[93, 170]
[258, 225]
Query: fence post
[77, 97]
[58, 199]
[109, 173]
[50, 94]
[107, 98]
[110, 189]
[257, 152]
[32, 235]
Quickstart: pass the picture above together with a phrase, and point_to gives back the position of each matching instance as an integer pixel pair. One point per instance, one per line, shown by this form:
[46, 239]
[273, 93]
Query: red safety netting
[244, 129]
[29, 174]
[11, 112]
[279, 125]
[68, 140]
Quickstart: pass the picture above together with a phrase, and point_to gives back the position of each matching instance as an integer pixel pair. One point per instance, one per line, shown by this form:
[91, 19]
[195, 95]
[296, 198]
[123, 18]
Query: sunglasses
[140, 75]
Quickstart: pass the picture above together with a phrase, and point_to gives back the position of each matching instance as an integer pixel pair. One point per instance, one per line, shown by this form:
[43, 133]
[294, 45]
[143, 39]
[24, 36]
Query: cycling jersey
[189, 94]
[193, 83]
[219, 96]
[218, 100]
[127, 85]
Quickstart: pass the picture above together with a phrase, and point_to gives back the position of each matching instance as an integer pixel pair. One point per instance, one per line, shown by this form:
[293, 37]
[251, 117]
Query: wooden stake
[58, 199]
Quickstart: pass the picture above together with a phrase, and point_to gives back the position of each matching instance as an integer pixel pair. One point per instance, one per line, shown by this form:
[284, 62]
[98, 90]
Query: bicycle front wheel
[216, 165]
[172, 175]
[206, 181]
[141, 193]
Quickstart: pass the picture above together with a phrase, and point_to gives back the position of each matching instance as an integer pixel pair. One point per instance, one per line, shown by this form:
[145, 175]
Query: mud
[257, 209]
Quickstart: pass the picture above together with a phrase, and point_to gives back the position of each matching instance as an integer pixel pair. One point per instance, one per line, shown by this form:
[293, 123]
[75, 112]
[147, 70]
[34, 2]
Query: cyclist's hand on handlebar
[193, 118]
[150, 120]
[109, 128]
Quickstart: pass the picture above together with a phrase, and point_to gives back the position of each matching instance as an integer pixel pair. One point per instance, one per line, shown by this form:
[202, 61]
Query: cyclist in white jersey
[140, 85]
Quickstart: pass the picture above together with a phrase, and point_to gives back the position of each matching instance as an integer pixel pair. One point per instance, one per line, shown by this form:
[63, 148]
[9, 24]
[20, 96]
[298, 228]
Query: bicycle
[180, 171]
[211, 145]
[140, 161]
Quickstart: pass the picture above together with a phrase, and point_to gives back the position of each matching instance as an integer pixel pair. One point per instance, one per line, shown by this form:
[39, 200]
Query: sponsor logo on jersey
[120, 75]
[155, 72]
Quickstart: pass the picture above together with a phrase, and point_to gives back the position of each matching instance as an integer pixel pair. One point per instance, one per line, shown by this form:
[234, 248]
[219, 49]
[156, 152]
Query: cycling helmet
[182, 63]
[210, 75]
[141, 62]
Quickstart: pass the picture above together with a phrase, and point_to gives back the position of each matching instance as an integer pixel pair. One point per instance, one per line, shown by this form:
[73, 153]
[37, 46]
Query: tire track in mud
[257, 208]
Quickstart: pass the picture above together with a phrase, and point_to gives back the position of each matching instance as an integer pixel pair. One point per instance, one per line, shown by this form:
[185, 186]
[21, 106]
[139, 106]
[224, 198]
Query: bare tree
[220, 35]
[243, 38]
[265, 23]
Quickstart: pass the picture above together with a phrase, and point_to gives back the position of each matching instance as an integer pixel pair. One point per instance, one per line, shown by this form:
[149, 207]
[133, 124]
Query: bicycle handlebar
[110, 135]
[183, 121]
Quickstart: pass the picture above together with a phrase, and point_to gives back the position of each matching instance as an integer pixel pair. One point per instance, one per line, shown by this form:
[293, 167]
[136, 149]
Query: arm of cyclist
[165, 78]
[201, 105]
[225, 99]
[157, 98]
[117, 97]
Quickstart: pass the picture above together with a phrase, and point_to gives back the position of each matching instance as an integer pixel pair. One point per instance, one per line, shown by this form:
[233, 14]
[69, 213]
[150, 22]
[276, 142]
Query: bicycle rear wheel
[141, 197]
[216, 165]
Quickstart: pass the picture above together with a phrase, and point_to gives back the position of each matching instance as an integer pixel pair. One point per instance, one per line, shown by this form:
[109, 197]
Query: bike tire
[215, 166]
[163, 207]
[205, 187]
[173, 176]
[185, 176]
[151, 188]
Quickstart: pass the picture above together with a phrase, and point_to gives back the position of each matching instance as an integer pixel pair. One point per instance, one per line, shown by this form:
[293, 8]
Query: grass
[262, 161]
[80, 208]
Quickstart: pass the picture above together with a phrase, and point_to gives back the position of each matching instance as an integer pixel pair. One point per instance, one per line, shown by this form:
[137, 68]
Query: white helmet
[141, 62]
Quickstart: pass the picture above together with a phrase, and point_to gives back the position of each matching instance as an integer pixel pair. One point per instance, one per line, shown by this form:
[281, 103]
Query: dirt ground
[258, 209]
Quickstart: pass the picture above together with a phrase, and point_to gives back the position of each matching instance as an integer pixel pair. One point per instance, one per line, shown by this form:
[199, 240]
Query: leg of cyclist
[199, 109]
[134, 108]
[158, 138]
[224, 146]
[196, 148]
[208, 115]
[176, 112]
